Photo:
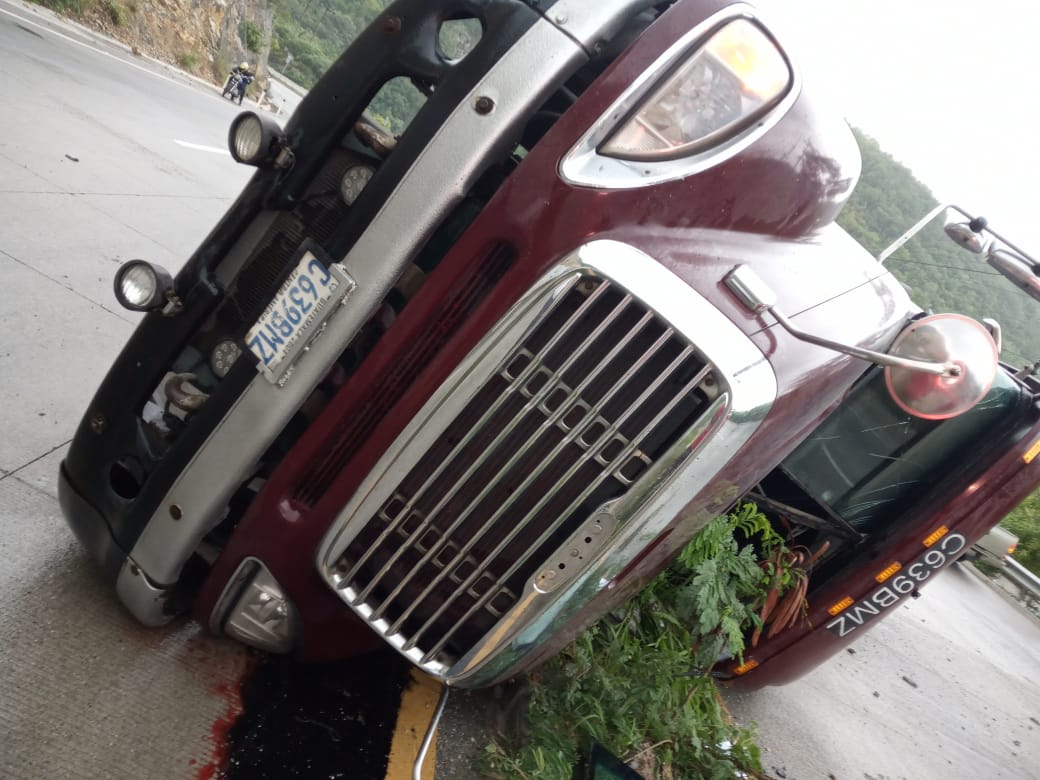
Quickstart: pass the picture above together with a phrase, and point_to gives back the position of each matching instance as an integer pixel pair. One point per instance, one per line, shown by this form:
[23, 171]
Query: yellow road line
[418, 704]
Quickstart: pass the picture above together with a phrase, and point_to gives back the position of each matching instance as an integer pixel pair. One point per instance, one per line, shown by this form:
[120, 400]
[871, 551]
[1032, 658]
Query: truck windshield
[869, 460]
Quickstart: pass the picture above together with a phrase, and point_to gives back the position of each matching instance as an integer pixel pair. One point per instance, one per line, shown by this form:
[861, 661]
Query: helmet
[243, 66]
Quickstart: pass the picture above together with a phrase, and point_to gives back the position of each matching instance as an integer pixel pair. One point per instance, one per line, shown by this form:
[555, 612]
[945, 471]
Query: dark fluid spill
[328, 721]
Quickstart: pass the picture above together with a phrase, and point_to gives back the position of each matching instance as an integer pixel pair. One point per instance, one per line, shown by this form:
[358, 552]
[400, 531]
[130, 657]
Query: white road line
[202, 148]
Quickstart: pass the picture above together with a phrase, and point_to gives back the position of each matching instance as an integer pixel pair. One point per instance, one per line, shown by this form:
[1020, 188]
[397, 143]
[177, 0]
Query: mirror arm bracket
[758, 297]
[924, 366]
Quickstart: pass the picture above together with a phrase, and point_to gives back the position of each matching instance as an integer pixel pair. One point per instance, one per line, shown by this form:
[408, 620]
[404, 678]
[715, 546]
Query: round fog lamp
[249, 138]
[141, 286]
[256, 139]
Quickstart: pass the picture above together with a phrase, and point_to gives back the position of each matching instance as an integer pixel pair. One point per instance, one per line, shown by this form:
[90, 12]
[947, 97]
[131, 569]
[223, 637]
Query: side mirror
[968, 235]
[1020, 271]
[938, 367]
[942, 338]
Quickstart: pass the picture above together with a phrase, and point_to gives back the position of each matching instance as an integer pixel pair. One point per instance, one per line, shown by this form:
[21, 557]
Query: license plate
[894, 589]
[305, 300]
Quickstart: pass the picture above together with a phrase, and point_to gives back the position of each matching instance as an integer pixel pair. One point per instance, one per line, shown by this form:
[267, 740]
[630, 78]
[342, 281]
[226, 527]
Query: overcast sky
[950, 89]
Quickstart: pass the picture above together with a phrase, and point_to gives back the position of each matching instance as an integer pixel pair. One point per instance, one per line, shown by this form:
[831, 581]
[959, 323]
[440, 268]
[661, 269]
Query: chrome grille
[568, 420]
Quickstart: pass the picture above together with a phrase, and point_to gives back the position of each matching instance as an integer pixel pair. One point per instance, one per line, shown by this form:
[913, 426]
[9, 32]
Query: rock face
[205, 37]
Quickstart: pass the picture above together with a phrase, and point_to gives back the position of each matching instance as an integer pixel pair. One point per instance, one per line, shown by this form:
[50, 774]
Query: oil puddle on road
[304, 721]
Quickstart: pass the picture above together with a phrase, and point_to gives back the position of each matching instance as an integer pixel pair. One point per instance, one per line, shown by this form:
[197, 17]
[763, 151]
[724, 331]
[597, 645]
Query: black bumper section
[90, 527]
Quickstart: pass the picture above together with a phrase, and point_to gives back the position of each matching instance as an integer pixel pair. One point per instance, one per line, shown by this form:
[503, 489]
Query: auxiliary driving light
[256, 610]
[142, 286]
[257, 140]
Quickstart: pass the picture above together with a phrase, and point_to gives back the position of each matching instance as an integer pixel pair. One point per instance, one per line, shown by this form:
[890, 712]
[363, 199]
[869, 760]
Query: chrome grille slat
[581, 401]
[518, 382]
[618, 460]
[535, 400]
[573, 435]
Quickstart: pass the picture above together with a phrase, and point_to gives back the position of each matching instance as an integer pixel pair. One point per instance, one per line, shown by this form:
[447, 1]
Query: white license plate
[290, 320]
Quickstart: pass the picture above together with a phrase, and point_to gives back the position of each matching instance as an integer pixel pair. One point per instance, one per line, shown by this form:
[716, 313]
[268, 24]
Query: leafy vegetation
[252, 36]
[316, 33]
[638, 680]
[1024, 522]
[188, 60]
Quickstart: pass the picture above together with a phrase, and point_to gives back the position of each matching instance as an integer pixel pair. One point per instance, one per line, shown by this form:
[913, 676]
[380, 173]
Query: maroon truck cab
[470, 387]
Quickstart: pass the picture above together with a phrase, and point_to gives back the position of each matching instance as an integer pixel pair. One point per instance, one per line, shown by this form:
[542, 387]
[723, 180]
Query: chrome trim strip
[670, 486]
[585, 167]
[438, 179]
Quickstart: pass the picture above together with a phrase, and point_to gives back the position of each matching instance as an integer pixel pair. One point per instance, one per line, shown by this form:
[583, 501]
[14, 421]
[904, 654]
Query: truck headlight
[142, 286]
[710, 95]
[735, 77]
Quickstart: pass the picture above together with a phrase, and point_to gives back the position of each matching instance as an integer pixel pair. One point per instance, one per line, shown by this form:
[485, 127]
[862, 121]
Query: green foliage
[942, 277]
[637, 681]
[251, 36]
[396, 104]
[316, 33]
[188, 60]
[1024, 522]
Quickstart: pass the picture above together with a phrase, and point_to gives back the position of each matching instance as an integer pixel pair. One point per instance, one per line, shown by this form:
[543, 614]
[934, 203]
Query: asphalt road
[947, 687]
[95, 168]
[104, 157]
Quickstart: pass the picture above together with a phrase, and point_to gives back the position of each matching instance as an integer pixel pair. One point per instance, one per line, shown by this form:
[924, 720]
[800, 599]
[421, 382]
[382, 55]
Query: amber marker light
[746, 667]
[845, 602]
[1032, 452]
[887, 572]
[936, 535]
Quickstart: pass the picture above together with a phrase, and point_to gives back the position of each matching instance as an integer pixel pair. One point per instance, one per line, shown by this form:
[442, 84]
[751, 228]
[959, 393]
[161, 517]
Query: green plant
[188, 60]
[1024, 522]
[638, 680]
[251, 36]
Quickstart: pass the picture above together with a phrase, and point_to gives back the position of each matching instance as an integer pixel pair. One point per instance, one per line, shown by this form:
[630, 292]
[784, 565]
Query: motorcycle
[233, 87]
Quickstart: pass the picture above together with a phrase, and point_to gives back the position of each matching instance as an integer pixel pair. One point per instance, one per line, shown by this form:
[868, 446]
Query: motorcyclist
[246, 77]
